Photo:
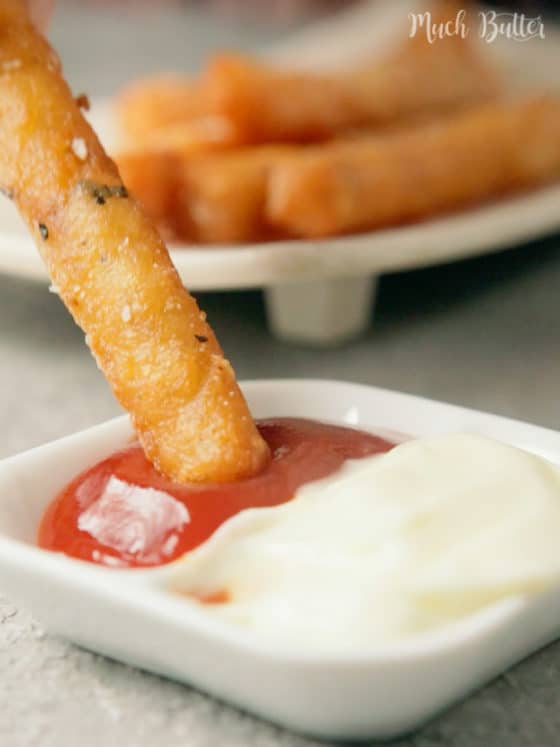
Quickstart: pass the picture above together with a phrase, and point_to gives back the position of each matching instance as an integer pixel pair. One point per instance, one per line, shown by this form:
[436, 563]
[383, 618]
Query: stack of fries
[248, 152]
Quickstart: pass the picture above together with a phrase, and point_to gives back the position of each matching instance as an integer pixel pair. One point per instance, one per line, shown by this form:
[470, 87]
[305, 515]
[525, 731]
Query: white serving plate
[308, 282]
[128, 615]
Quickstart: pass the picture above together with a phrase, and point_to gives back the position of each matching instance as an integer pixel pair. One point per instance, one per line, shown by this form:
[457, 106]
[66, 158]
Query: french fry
[221, 197]
[266, 104]
[158, 101]
[152, 168]
[171, 112]
[114, 273]
[205, 198]
[383, 180]
[152, 177]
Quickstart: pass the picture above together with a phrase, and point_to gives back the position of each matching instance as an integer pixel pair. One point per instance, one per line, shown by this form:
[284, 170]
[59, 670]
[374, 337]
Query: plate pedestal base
[323, 312]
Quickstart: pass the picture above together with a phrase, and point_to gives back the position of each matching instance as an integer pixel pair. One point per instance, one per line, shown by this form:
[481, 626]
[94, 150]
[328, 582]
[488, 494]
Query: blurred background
[106, 42]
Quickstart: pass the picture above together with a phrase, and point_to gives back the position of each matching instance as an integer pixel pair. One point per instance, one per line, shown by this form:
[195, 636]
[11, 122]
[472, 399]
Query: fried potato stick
[114, 273]
[205, 198]
[158, 101]
[390, 179]
[166, 112]
[267, 104]
[152, 168]
[152, 178]
[221, 196]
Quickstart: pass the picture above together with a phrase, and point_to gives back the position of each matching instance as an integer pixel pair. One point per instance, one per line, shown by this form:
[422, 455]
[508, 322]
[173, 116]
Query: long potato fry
[152, 176]
[153, 168]
[221, 197]
[389, 179]
[265, 104]
[171, 112]
[158, 101]
[209, 198]
[114, 273]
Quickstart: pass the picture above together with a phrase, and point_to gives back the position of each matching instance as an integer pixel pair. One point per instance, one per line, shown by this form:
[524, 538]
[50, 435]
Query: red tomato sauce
[108, 515]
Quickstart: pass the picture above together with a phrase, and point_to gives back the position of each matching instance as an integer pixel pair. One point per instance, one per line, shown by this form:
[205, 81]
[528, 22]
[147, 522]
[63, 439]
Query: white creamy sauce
[389, 546]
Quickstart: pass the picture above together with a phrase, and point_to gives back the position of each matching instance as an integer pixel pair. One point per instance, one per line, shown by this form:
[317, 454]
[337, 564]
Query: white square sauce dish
[360, 692]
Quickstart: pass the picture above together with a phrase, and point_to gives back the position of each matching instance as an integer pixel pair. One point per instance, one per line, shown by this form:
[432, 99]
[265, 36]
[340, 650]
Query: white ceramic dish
[308, 282]
[128, 615]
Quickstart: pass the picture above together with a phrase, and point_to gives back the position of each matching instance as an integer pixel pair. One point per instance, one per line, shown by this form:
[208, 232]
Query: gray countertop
[482, 333]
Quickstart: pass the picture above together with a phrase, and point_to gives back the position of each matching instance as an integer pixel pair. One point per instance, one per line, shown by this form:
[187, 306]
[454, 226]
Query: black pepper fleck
[201, 338]
[44, 231]
[102, 192]
[7, 192]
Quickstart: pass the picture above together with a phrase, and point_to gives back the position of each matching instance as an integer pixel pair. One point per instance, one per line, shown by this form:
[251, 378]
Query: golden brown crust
[114, 273]
[383, 180]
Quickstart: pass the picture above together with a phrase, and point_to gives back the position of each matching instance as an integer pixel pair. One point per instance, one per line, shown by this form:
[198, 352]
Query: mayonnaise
[390, 546]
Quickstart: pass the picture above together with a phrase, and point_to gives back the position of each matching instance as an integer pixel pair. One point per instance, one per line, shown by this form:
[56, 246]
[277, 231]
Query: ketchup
[123, 513]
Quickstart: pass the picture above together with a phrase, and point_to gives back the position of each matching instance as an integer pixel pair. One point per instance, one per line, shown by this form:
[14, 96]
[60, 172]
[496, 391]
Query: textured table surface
[483, 333]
